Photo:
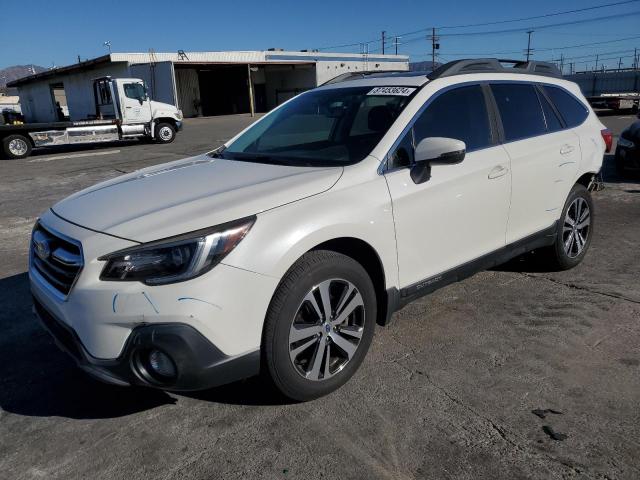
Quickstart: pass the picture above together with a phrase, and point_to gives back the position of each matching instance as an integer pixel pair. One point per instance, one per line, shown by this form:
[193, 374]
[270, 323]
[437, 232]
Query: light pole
[108, 45]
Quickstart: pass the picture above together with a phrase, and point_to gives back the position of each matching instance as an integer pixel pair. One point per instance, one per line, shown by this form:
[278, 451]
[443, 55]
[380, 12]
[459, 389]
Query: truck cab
[133, 107]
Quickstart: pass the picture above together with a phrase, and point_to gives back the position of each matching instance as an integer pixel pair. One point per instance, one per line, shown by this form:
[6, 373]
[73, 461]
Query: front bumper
[200, 365]
[178, 125]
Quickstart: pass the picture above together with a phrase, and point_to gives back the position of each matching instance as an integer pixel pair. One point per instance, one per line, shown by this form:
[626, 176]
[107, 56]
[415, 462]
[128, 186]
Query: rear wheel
[319, 325]
[575, 230]
[16, 146]
[165, 133]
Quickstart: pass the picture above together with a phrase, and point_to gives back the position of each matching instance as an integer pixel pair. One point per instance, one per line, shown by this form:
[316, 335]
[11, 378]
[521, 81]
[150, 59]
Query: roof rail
[345, 77]
[494, 65]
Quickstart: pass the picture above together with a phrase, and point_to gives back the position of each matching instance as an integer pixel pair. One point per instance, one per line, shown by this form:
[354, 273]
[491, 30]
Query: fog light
[161, 364]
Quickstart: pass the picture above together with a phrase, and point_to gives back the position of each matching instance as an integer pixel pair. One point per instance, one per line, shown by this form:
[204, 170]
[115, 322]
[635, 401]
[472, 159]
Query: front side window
[325, 127]
[572, 110]
[520, 110]
[134, 90]
[461, 114]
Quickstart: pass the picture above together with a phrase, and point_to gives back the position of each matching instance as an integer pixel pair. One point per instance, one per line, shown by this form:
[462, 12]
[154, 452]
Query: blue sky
[57, 35]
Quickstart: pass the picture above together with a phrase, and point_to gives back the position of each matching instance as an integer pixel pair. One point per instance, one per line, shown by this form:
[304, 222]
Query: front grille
[56, 258]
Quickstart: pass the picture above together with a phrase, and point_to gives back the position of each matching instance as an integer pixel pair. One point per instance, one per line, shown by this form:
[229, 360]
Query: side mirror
[436, 151]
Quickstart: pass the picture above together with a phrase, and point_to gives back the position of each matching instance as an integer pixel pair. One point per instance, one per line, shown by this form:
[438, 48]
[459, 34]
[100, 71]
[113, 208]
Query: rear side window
[461, 114]
[553, 122]
[520, 110]
[572, 110]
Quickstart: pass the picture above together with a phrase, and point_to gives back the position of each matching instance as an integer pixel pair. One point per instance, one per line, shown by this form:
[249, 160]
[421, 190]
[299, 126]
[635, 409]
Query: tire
[16, 146]
[303, 375]
[165, 133]
[559, 256]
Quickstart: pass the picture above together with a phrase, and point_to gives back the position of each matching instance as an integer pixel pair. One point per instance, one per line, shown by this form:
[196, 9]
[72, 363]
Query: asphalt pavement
[448, 390]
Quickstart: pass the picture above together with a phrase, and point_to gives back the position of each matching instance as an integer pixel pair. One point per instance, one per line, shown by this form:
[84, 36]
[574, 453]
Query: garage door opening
[223, 90]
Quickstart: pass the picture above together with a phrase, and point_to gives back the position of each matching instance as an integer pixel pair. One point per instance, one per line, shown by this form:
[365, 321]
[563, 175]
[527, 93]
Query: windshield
[331, 127]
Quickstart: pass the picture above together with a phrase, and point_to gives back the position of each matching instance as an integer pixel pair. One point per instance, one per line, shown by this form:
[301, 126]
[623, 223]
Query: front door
[461, 212]
[136, 107]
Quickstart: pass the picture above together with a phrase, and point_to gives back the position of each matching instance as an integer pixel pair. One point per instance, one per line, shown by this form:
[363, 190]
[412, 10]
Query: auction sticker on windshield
[401, 91]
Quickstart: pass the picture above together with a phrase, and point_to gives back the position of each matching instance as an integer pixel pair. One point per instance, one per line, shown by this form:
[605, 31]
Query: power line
[422, 30]
[539, 27]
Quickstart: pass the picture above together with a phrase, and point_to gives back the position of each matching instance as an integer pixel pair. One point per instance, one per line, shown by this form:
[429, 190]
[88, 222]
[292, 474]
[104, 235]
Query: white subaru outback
[280, 251]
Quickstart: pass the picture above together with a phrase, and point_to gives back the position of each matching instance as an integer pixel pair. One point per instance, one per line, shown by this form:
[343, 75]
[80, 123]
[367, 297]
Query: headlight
[179, 114]
[623, 142]
[175, 259]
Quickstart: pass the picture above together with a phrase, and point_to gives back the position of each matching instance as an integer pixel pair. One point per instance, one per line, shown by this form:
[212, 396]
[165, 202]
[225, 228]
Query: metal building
[199, 83]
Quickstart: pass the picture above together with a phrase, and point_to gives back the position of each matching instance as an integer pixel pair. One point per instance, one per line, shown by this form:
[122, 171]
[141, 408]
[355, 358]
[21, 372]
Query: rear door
[460, 213]
[544, 156]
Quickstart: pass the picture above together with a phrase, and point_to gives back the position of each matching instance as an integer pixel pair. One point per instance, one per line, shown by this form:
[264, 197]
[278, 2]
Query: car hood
[190, 194]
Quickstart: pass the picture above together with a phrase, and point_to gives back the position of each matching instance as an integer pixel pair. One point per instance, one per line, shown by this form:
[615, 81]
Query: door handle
[566, 149]
[497, 172]
[127, 107]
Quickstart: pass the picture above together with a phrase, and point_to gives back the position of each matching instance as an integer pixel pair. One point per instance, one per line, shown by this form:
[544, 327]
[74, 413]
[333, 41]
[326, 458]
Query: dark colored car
[628, 148]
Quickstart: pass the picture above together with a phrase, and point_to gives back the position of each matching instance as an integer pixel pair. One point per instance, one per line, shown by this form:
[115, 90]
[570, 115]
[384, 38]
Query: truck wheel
[165, 133]
[319, 325]
[16, 146]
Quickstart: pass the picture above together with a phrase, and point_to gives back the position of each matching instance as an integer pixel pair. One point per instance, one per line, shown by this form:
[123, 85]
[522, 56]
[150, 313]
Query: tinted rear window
[520, 110]
[572, 110]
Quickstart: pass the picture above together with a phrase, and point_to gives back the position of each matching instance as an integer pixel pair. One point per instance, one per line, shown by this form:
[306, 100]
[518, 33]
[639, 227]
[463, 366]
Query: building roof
[242, 57]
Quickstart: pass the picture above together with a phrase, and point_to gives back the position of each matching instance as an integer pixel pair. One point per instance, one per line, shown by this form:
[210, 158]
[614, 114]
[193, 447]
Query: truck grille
[56, 258]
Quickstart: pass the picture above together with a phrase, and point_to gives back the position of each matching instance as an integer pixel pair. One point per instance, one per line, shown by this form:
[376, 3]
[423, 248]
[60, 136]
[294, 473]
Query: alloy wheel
[165, 133]
[575, 231]
[327, 329]
[18, 147]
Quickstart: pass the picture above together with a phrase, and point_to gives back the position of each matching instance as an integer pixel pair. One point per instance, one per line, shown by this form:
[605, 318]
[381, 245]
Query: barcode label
[400, 91]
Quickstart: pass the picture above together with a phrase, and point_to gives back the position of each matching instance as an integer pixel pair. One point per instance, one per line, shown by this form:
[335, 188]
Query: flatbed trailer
[616, 101]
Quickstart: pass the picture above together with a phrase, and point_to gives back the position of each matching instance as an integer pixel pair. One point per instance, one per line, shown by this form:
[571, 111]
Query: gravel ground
[447, 390]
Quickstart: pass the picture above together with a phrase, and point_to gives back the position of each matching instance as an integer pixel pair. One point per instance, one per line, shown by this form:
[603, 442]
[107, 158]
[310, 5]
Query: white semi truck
[123, 111]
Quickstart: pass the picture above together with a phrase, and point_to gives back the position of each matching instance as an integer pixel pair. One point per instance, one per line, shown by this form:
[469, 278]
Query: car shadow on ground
[37, 379]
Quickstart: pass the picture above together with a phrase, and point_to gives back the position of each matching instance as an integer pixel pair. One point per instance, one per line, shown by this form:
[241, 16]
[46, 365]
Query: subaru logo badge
[41, 245]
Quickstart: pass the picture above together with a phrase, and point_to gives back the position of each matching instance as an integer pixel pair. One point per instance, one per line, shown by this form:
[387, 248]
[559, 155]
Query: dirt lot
[447, 391]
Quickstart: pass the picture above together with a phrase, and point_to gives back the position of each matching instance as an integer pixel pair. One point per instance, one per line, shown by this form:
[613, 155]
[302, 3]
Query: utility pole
[596, 67]
[635, 58]
[396, 43]
[529, 44]
[561, 64]
[620, 63]
[570, 68]
[383, 34]
[434, 46]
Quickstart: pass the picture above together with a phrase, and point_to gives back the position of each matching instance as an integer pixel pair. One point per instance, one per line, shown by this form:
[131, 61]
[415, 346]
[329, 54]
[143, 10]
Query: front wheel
[165, 133]
[319, 325]
[575, 230]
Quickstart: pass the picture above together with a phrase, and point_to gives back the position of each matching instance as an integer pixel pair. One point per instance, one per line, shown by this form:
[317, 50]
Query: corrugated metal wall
[188, 89]
[597, 83]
